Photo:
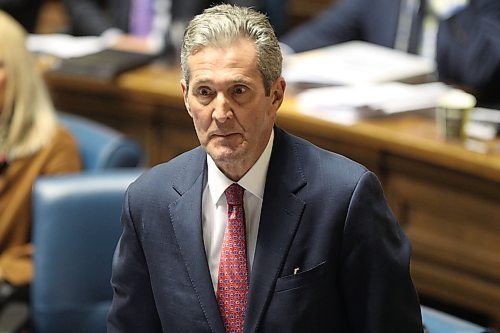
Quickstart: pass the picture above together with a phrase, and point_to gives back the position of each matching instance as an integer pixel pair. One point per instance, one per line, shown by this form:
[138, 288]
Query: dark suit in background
[24, 11]
[93, 17]
[468, 42]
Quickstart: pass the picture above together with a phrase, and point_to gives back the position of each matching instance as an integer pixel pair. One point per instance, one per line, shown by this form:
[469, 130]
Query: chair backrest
[102, 147]
[439, 322]
[76, 227]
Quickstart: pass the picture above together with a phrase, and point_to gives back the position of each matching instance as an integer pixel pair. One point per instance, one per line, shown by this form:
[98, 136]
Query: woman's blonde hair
[27, 117]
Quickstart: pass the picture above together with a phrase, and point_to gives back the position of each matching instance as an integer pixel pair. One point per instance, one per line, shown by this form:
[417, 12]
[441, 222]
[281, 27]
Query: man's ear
[185, 90]
[278, 92]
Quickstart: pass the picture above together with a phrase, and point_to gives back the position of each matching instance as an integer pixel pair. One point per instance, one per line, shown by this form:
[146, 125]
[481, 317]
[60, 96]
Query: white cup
[452, 113]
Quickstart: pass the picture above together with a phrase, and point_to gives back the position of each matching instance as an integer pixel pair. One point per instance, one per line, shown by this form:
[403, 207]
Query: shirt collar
[253, 181]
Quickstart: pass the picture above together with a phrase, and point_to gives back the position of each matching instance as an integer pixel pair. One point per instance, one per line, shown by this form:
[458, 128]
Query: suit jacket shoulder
[314, 165]
[171, 179]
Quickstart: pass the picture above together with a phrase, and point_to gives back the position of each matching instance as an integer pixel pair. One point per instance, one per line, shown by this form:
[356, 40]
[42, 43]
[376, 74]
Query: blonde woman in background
[31, 144]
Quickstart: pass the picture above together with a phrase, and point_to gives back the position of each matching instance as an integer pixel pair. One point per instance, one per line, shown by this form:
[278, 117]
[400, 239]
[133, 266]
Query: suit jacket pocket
[300, 279]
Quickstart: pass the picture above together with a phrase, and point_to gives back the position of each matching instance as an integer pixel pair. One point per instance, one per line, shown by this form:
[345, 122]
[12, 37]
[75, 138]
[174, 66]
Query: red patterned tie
[232, 287]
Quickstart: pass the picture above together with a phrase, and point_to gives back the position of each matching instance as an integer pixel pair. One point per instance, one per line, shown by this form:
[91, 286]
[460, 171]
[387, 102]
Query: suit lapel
[281, 214]
[186, 220]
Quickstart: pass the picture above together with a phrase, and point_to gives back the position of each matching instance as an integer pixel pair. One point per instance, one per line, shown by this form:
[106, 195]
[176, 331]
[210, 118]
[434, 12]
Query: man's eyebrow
[201, 81]
[242, 79]
[237, 80]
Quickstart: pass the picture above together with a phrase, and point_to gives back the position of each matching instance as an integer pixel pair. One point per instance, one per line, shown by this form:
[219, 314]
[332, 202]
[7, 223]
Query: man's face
[3, 83]
[232, 115]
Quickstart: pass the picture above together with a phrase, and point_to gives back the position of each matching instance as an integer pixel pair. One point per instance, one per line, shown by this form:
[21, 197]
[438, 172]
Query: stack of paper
[348, 104]
[66, 46]
[354, 63]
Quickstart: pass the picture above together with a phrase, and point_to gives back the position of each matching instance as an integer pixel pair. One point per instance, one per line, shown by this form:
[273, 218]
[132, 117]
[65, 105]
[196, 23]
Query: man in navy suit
[324, 251]
[465, 39]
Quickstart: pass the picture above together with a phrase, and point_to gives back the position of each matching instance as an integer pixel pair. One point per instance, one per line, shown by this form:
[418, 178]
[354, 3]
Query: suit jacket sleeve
[375, 279]
[87, 18]
[339, 23]
[468, 49]
[133, 307]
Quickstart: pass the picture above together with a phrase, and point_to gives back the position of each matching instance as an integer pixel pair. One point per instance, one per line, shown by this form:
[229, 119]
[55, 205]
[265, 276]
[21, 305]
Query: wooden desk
[447, 198]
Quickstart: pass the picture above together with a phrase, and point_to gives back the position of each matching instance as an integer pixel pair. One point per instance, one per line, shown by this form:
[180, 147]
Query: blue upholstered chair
[102, 147]
[76, 228]
[439, 322]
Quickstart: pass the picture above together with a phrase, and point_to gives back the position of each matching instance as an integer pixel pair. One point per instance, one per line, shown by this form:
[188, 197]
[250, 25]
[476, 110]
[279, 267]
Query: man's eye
[204, 92]
[238, 90]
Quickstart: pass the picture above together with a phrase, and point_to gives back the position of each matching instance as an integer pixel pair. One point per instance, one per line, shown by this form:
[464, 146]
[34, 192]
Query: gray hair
[224, 24]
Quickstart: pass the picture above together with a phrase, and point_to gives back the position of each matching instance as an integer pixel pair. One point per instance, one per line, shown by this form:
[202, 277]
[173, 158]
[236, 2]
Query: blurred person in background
[23, 11]
[463, 36]
[31, 144]
[138, 25]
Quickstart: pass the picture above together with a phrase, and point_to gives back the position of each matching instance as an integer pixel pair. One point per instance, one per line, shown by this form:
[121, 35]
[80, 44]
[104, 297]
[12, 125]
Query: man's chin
[224, 154]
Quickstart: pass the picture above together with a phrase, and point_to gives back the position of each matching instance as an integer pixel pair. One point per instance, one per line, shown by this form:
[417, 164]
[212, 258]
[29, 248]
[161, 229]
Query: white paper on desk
[354, 63]
[348, 104]
[66, 46]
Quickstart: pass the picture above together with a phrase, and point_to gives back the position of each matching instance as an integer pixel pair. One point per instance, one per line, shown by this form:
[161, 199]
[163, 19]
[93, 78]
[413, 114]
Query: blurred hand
[133, 44]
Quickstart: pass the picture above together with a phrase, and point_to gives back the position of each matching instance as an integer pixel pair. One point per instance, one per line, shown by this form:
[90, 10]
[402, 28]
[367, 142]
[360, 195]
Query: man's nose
[222, 108]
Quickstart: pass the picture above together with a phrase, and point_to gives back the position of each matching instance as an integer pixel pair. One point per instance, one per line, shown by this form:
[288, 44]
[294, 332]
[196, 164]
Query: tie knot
[234, 194]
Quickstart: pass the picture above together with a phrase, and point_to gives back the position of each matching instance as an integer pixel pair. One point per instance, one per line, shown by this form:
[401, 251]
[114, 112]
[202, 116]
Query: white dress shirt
[214, 208]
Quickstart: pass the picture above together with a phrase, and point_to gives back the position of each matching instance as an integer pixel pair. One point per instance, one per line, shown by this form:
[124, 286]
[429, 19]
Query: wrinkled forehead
[223, 42]
[233, 59]
[241, 51]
